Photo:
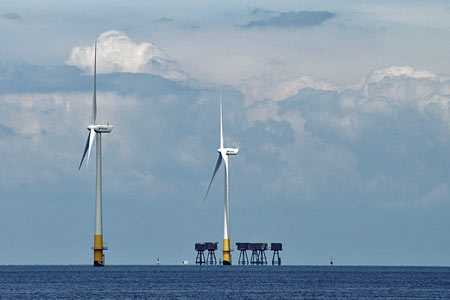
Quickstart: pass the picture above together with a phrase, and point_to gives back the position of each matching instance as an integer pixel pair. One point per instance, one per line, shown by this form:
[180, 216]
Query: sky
[341, 111]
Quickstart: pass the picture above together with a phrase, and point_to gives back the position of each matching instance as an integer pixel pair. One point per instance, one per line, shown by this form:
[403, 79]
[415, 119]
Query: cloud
[118, 53]
[262, 12]
[21, 78]
[292, 19]
[402, 83]
[266, 87]
[11, 16]
[399, 83]
[164, 20]
[382, 143]
[400, 71]
[316, 148]
[438, 193]
[394, 128]
[44, 144]
[157, 107]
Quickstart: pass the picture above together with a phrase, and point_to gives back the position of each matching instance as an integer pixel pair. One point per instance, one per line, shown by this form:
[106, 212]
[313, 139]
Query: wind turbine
[96, 130]
[223, 156]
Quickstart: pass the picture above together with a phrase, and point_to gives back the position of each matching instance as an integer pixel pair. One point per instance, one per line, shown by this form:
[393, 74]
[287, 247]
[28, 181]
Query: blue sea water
[224, 282]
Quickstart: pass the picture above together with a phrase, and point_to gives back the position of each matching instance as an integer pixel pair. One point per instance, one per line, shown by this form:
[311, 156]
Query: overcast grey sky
[340, 109]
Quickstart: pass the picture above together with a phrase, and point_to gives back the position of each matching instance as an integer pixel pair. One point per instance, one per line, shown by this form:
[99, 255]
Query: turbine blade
[91, 141]
[94, 101]
[85, 150]
[221, 123]
[219, 161]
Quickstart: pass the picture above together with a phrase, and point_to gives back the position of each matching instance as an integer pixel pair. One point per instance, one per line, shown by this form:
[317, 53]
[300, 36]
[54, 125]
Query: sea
[224, 282]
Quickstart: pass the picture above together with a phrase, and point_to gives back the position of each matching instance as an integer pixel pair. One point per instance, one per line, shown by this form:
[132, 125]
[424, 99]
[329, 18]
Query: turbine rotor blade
[85, 150]
[91, 141]
[94, 101]
[219, 161]
[221, 122]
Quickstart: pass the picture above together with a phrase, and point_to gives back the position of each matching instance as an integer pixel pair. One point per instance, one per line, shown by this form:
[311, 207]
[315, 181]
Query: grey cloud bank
[11, 16]
[292, 19]
[164, 20]
[380, 146]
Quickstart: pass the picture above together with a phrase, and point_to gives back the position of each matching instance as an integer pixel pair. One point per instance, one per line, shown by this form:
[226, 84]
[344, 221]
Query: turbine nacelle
[228, 151]
[100, 128]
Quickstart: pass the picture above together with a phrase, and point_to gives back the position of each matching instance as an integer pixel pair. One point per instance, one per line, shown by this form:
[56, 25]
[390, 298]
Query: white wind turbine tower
[223, 156]
[96, 130]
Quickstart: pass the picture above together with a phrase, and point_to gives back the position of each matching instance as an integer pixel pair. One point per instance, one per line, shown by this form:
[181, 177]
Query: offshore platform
[258, 253]
[211, 255]
[276, 259]
[243, 258]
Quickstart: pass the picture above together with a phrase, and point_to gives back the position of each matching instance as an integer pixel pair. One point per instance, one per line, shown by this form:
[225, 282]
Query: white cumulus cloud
[116, 52]
[291, 87]
[257, 88]
[397, 71]
[402, 82]
[399, 83]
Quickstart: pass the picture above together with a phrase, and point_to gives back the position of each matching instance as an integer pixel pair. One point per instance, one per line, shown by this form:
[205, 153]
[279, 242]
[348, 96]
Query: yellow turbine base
[98, 251]
[226, 252]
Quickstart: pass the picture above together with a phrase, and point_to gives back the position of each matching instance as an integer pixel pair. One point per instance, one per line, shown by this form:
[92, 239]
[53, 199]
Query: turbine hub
[228, 151]
[101, 128]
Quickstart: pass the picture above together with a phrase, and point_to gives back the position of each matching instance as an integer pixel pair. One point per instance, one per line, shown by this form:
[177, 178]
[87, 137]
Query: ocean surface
[219, 282]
